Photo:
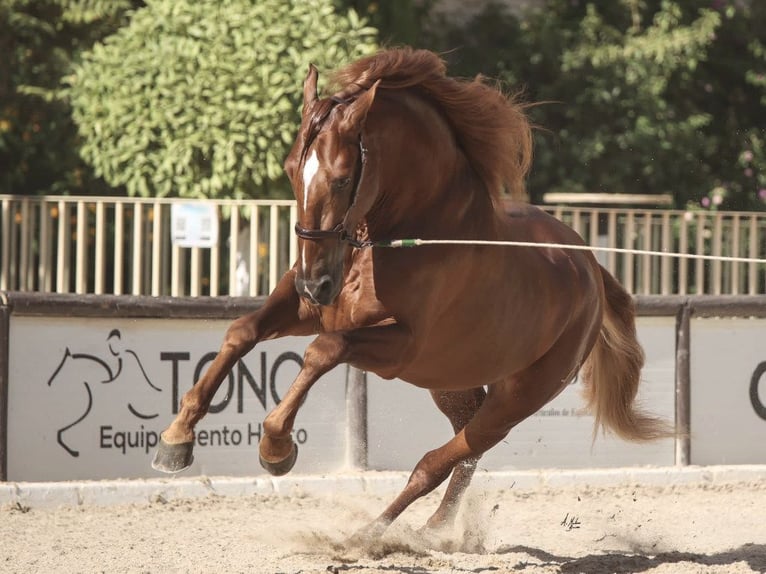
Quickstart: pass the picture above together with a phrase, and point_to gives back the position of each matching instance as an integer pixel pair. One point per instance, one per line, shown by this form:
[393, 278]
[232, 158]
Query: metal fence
[124, 246]
[719, 234]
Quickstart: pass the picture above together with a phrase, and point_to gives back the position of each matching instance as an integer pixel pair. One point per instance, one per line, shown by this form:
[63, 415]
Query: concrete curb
[146, 491]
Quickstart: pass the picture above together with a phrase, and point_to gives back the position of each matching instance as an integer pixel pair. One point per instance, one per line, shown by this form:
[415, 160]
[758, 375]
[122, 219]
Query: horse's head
[326, 167]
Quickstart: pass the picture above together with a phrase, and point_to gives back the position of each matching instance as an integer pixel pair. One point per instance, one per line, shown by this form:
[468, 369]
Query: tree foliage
[200, 98]
[39, 41]
[397, 21]
[642, 96]
[624, 133]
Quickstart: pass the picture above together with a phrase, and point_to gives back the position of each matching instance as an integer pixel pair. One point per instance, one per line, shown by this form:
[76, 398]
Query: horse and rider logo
[84, 374]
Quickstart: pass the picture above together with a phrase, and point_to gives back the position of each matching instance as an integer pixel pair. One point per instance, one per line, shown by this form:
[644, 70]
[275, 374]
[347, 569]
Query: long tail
[612, 372]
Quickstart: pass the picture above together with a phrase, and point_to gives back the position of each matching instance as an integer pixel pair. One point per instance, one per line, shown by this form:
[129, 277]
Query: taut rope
[396, 243]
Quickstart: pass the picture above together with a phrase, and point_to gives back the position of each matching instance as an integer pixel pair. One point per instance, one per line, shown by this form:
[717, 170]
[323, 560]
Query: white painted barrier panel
[89, 397]
[728, 391]
[404, 423]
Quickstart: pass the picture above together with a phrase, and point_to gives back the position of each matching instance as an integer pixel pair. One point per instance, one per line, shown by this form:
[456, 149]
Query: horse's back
[526, 222]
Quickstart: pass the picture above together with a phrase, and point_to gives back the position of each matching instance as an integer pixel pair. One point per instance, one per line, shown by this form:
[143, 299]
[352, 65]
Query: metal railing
[123, 246]
[118, 246]
[720, 234]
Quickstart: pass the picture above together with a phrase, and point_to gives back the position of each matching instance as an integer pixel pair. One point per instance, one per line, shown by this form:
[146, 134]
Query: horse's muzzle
[321, 291]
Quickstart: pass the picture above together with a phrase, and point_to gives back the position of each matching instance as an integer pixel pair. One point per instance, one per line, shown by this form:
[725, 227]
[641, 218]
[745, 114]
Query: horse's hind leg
[459, 407]
[491, 423]
[507, 404]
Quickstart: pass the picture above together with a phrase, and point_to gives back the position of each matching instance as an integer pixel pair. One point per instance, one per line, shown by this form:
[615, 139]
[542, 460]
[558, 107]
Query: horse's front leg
[282, 314]
[278, 452]
[368, 348]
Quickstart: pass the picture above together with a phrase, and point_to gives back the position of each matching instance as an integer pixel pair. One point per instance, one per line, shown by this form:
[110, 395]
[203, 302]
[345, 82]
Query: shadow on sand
[754, 555]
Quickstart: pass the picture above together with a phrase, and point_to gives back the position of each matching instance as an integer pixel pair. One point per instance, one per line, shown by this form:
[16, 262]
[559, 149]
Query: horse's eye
[341, 183]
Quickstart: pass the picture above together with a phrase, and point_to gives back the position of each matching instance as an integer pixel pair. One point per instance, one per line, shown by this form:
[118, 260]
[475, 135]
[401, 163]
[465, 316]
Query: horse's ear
[310, 88]
[356, 113]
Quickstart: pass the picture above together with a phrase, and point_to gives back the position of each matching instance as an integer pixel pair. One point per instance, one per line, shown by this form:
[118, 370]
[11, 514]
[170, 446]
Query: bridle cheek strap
[340, 232]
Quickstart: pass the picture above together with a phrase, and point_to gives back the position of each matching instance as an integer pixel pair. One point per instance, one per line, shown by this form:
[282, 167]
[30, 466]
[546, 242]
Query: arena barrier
[87, 382]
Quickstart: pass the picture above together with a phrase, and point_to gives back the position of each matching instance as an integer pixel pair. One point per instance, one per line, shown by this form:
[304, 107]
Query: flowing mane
[492, 129]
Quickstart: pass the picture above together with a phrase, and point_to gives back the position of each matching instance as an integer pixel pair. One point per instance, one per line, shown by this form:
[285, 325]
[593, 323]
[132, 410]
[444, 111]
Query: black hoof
[173, 458]
[283, 466]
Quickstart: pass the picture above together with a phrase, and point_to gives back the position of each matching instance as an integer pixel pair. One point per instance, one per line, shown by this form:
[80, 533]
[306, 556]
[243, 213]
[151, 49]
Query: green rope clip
[398, 243]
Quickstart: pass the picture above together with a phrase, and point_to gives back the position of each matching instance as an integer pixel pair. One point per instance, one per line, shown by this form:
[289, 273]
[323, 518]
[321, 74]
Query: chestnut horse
[494, 333]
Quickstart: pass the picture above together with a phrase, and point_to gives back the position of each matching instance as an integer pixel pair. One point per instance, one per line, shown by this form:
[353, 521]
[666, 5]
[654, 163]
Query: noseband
[339, 232]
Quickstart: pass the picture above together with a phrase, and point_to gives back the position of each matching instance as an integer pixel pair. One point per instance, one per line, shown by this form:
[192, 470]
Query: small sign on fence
[194, 224]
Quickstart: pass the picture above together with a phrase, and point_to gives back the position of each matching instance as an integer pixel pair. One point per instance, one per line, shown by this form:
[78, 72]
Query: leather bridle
[340, 232]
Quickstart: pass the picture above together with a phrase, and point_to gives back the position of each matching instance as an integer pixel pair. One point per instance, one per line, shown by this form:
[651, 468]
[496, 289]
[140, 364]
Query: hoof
[283, 466]
[369, 534]
[173, 458]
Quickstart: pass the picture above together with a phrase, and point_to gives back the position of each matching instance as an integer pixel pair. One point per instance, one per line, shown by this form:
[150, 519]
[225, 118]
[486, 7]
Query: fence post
[5, 324]
[683, 383]
[356, 418]
[5, 244]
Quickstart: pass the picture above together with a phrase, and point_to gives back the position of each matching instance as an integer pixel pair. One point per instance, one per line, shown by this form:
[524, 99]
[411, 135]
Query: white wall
[112, 441]
[404, 423]
[126, 369]
[726, 356]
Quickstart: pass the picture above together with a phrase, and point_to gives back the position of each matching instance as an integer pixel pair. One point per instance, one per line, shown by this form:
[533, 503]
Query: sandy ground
[680, 529]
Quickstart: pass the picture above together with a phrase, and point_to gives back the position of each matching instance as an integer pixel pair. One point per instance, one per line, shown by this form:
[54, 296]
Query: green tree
[732, 85]
[624, 133]
[39, 41]
[644, 96]
[398, 21]
[200, 98]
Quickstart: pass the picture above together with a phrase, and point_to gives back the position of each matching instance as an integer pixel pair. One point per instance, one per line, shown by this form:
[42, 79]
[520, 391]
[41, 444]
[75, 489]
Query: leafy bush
[200, 98]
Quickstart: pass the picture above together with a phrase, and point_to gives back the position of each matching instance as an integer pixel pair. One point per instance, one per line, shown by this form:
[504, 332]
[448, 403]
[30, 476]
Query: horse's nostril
[324, 285]
[318, 291]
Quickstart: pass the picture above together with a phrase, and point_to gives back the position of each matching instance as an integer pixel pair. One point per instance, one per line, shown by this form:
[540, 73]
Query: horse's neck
[426, 183]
